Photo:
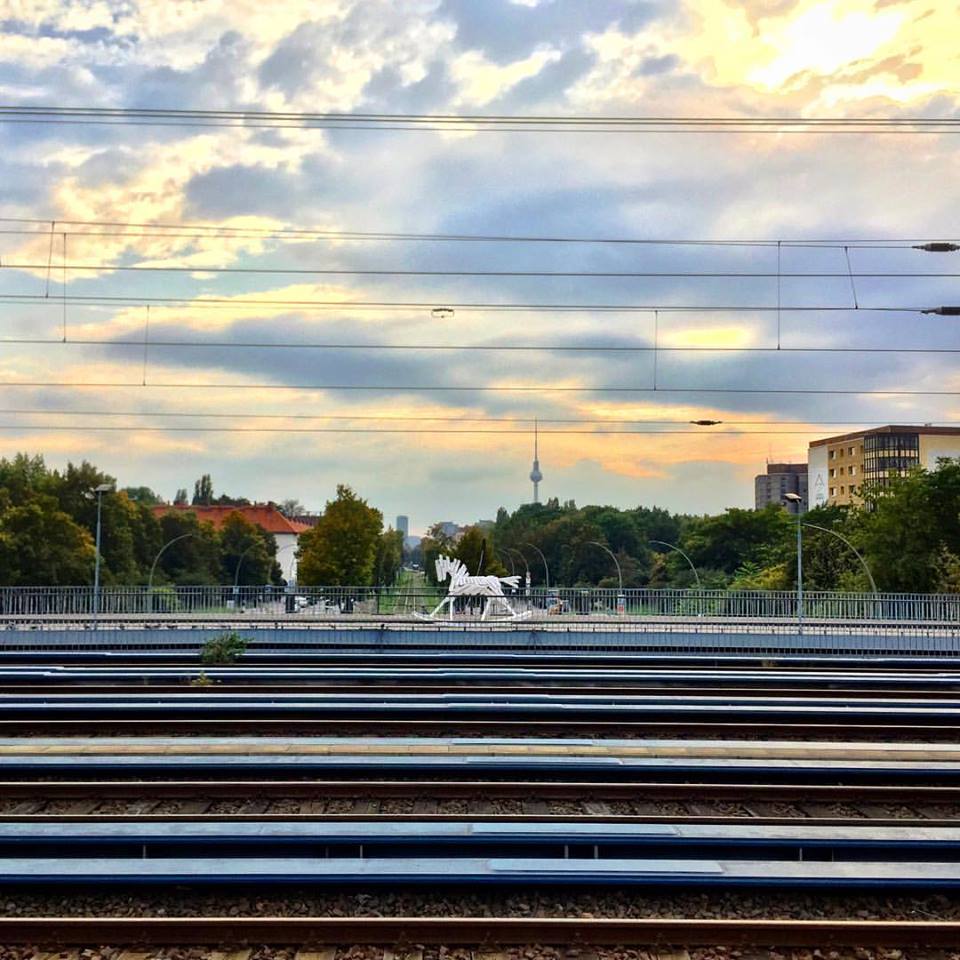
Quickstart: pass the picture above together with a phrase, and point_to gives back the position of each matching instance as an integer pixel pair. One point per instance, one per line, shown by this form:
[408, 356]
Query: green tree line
[907, 532]
[48, 524]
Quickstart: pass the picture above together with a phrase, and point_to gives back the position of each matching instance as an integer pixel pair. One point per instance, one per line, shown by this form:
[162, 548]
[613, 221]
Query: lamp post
[856, 552]
[546, 569]
[621, 599]
[795, 498]
[673, 546]
[156, 560]
[236, 576]
[99, 490]
[597, 543]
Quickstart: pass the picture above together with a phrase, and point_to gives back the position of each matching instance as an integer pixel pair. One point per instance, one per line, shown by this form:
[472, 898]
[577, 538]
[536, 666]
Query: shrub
[225, 648]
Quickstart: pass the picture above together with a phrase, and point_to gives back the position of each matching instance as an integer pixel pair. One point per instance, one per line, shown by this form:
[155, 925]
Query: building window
[833, 472]
[843, 490]
[887, 455]
[853, 471]
[833, 454]
[841, 471]
[851, 451]
[832, 490]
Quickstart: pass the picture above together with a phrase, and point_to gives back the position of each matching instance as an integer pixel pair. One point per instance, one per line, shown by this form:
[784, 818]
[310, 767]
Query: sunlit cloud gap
[466, 347]
[204, 302]
[599, 274]
[424, 419]
[481, 388]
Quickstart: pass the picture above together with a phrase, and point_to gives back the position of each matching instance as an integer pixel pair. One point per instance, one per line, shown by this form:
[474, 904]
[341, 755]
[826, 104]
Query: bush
[226, 648]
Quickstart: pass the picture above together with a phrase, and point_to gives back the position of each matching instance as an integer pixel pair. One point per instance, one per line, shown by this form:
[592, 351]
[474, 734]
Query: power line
[474, 122]
[484, 306]
[480, 388]
[200, 231]
[459, 347]
[546, 274]
[135, 428]
[422, 418]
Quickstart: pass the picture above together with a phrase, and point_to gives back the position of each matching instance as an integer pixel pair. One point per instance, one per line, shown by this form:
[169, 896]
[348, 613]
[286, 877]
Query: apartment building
[839, 468]
[779, 480]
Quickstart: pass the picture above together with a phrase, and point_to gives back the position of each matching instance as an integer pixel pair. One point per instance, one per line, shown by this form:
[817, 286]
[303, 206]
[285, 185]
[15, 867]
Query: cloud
[555, 56]
[481, 81]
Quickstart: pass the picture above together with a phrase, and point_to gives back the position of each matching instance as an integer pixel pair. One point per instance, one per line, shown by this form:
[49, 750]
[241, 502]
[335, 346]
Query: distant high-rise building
[535, 475]
[403, 525]
[779, 480]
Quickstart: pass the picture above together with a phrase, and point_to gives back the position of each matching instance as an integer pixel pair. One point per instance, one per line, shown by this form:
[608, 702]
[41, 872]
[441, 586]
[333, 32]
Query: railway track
[479, 810]
[521, 801]
[207, 727]
[487, 937]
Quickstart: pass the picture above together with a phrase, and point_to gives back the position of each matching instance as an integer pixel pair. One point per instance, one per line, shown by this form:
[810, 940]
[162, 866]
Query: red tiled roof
[265, 516]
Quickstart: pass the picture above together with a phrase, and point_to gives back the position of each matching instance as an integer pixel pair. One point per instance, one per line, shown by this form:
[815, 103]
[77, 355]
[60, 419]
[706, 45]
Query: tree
[907, 524]
[194, 559]
[292, 508]
[246, 549]
[341, 550]
[40, 545]
[735, 537]
[180, 498]
[143, 495]
[203, 491]
[435, 544]
[476, 551]
[389, 556]
[74, 491]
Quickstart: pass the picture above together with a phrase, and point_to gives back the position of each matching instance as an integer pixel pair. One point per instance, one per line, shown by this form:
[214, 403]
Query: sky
[806, 58]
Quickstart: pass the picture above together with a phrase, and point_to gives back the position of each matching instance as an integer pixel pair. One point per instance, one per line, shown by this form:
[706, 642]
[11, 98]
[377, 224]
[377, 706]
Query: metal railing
[562, 603]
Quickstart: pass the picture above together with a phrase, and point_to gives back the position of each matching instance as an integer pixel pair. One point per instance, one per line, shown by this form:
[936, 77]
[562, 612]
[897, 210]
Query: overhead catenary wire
[214, 231]
[432, 418]
[456, 388]
[514, 274]
[537, 123]
[654, 348]
[206, 302]
[135, 428]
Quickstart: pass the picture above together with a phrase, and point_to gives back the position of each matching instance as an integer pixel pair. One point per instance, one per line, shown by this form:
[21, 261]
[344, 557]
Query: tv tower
[535, 475]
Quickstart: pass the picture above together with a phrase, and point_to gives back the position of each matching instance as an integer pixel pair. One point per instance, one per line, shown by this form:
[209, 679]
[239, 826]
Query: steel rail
[564, 728]
[602, 688]
[492, 932]
[471, 789]
[902, 823]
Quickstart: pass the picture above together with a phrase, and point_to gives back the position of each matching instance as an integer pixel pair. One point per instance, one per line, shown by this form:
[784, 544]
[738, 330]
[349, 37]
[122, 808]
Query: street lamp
[161, 552]
[546, 569]
[833, 533]
[236, 576]
[597, 543]
[673, 546]
[99, 490]
[621, 598]
[795, 498]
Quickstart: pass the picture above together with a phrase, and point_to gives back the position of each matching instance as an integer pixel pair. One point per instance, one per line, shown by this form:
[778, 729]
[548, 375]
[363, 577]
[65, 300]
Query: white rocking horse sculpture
[462, 584]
